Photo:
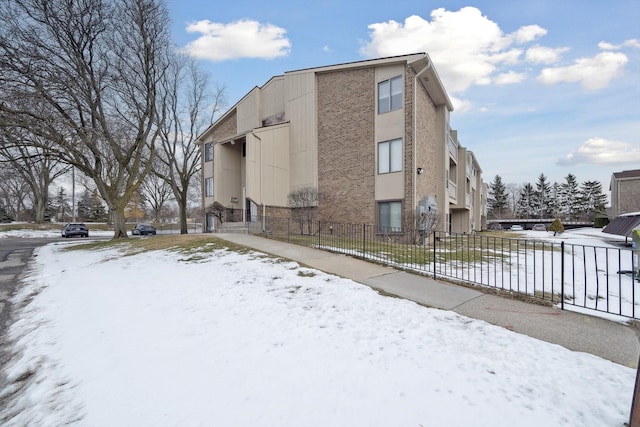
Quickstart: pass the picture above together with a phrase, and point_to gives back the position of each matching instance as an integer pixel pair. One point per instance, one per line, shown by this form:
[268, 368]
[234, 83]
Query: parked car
[144, 229]
[539, 227]
[75, 229]
[495, 226]
[516, 228]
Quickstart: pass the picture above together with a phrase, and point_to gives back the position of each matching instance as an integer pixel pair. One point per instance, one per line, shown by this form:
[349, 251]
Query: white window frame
[390, 93]
[208, 185]
[390, 156]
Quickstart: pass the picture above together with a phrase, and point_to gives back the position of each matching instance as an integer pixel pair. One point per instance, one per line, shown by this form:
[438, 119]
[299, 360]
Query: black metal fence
[589, 277]
[173, 228]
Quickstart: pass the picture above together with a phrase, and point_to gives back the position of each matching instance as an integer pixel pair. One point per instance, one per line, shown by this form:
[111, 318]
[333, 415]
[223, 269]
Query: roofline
[418, 61]
[363, 63]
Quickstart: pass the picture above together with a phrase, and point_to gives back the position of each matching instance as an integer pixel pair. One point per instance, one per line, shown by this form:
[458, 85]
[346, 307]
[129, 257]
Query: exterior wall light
[420, 170]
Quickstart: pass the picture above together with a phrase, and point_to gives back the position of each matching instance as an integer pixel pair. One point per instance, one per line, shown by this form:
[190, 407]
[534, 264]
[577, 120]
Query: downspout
[264, 212]
[415, 132]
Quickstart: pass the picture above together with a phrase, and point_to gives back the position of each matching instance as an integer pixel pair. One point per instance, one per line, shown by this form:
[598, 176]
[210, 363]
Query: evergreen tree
[4, 215]
[570, 197]
[592, 201]
[526, 203]
[556, 226]
[84, 207]
[555, 202]
[62, 205]
[542, 197]
[497, 201]
[97, 211]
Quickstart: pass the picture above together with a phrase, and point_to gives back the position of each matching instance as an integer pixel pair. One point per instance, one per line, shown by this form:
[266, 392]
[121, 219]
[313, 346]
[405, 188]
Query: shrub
[556, 226]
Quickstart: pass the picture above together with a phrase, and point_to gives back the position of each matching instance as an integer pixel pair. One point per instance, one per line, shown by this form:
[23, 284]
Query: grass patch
[306, 274]
[191, 245]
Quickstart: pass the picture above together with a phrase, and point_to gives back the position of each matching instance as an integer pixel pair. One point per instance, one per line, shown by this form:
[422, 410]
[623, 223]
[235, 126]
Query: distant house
[372, 137]
[625, 203]
[625, 192]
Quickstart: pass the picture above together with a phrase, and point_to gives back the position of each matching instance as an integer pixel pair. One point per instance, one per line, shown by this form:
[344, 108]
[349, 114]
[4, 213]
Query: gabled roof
[634, 173]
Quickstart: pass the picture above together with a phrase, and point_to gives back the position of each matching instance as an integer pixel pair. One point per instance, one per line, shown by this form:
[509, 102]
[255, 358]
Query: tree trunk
[119, 222]
[182, 208]
[40, 207]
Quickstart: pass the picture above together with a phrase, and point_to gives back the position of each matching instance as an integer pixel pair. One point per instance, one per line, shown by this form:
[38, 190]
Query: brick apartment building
[372, 137]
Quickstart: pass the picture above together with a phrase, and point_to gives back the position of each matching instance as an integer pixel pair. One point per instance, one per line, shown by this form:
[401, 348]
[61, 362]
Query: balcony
[453, 148]
[467, 201]
[452, 192]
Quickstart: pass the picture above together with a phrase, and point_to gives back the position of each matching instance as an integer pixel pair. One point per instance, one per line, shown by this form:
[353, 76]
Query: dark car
[144, 229]
[75, 229]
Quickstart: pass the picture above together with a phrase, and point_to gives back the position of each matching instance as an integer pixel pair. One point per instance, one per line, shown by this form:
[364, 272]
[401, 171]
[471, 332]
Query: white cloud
[544, 55]
[600, 151]
[592, 73]
[632, 43]
[240, 39]
[528, 33]
[466, 47]
[461, 105]
[509, 78]
[326, 48]
[609, 46]
[627, 43]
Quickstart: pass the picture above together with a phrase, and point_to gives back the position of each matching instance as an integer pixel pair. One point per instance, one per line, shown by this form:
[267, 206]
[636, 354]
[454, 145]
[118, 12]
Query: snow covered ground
[227, 339]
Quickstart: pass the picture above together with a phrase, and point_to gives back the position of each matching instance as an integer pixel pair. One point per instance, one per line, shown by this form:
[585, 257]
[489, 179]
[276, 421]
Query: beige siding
[248, 111]
[268, 165]
[388, 126]
[300, 93]
[227, 183]
[272, 98]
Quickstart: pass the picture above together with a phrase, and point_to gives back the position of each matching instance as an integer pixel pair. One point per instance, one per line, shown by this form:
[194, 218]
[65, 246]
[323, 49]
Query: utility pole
[73, 192]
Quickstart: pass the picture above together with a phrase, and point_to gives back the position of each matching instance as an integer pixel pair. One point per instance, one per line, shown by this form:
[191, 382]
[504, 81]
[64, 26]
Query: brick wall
[226, 129]
[346, 148]
[426, 148]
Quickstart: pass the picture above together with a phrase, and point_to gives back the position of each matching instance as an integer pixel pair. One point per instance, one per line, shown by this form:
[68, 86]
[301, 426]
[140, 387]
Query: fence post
[288, 229]
[364, 240]
[562, 275]
[434, 254]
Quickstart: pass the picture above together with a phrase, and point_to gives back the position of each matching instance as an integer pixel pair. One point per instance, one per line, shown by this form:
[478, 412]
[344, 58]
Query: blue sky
[541, 86]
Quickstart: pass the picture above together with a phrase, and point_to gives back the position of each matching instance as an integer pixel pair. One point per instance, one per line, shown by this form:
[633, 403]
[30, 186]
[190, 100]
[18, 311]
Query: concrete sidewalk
[579, 332]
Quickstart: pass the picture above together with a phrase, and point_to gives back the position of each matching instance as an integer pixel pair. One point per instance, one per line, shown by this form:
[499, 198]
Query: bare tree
[188, 107]
[420, 226]
[13, 191]
[84, 76]
[303, 203]
[157, 193]
[35, 165]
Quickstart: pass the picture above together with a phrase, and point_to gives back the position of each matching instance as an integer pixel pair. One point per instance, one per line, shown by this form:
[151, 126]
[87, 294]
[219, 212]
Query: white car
[516, 228]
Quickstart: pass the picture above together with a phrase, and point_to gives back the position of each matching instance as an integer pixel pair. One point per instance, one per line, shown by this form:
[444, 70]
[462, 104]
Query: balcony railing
[453, 149]
[452, 191]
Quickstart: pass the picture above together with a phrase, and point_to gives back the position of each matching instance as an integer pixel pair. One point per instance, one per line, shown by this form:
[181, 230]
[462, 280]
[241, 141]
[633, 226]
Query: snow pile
[229, 339]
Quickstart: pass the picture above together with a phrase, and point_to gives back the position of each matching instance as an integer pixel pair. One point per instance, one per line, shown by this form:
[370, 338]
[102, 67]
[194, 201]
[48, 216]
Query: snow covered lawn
[224, 338]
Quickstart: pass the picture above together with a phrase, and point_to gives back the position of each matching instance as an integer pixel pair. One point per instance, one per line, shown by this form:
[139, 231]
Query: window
[208, 151]
[390, 217]
[390, 95]
[208, 185]
[390, 156]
